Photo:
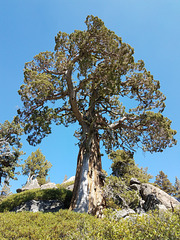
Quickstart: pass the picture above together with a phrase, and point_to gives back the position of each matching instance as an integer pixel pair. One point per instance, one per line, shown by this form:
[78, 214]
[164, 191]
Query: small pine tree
[164, 184]
[37, 165]
[124, 166]
[177, 188]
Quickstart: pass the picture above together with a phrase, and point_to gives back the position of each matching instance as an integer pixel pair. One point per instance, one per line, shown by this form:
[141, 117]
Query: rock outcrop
[40, 206]
[71, 179]
[123, 213]
[152, 197]
[48, 185]
[67, 182]
[148, 198]
[32, 184]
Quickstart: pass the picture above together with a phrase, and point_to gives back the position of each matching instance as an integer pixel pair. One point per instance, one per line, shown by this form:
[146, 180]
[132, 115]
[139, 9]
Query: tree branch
[120, 124]
[117, 124]
[72, 98]
[53, 72]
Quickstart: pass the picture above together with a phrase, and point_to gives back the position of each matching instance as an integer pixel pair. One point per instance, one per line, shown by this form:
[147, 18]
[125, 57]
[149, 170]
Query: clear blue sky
[151, 27]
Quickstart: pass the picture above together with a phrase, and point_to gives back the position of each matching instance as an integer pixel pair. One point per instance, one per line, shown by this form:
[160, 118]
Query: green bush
[69, 225]
[15, 200]
[118, 194]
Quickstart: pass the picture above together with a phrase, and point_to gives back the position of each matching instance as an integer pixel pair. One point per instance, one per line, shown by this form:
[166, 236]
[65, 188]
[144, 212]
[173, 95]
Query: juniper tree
[36, 165]
[87, 79]
[10, 145]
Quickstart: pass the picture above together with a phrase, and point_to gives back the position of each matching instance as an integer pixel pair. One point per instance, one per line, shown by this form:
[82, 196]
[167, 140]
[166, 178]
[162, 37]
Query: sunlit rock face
[165, 199]
[40, 206]
[32, 184]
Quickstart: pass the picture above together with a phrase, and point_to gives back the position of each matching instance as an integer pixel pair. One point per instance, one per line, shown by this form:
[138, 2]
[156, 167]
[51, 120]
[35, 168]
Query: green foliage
[9, 148]
[104, 73]
[124, 166]
[163, 183]
[117, 186]
[177, 188]
[36, 165]
[5, 191]
[119, 195]
[69, 225]
[14, 200]
[65, 185]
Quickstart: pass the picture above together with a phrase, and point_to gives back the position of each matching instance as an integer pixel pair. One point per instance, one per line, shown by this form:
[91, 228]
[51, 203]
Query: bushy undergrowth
[70, 225]
[14, 200]
[118, 194]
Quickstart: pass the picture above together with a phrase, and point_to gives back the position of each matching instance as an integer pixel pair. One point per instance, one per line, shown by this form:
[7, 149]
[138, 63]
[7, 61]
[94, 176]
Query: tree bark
[87, 194]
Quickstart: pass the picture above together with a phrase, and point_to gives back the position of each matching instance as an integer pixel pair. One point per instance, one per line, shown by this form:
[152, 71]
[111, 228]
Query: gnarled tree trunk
[87, 193]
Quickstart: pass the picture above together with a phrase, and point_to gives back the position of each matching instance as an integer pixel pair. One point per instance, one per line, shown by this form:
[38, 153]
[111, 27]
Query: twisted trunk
[87, 193]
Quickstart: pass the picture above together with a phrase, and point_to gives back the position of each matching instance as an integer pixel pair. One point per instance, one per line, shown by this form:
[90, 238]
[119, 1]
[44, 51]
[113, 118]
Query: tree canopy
[10, 145]
[89, 76]
[36, 165]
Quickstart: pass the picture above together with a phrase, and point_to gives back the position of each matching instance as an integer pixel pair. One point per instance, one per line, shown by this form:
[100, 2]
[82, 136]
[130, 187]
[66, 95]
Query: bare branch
[72, 98]
[53, 72]
[120, 124]
[117, 124]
